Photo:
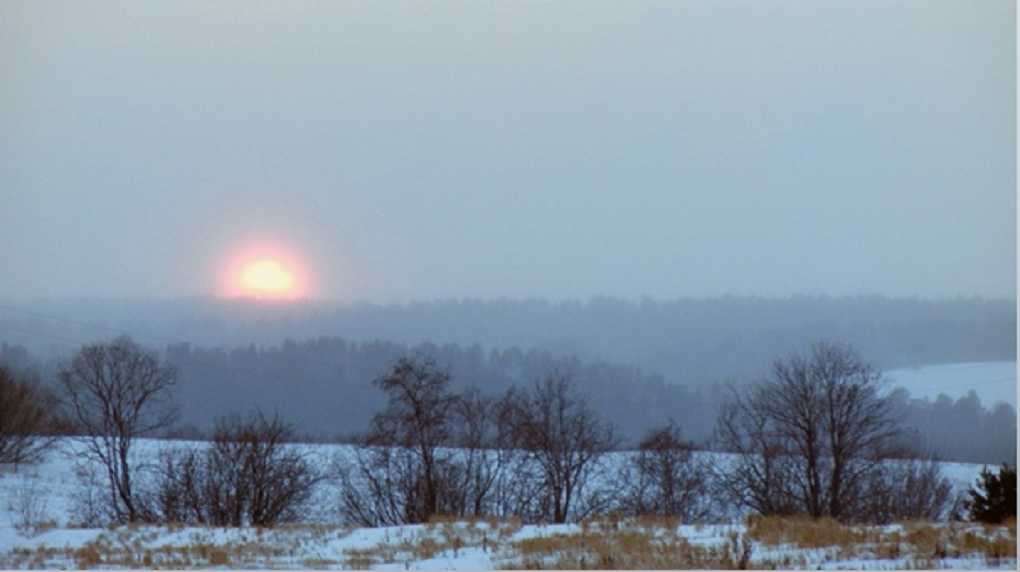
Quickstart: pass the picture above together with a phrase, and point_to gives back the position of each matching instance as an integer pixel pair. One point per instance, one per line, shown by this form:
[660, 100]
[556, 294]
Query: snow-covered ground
[37, 529]
[993, 381]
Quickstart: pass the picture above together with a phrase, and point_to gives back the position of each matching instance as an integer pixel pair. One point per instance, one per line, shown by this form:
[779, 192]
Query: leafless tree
[26, 418]
[178, 493]
[478, 462]
[405, 470]
[116, 392]
[271, 478]
[249, 475]
[808, 437]
[907, 489]
[565, 439]
[417, 420]
[669, 479]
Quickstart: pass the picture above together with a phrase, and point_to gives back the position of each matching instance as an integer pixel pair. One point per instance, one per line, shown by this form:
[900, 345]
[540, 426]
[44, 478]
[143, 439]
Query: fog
[400, 151]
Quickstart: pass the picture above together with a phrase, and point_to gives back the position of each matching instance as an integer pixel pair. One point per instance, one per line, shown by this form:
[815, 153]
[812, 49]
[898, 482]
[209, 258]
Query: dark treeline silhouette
[963, 430]
[326, 385]
[688, 341]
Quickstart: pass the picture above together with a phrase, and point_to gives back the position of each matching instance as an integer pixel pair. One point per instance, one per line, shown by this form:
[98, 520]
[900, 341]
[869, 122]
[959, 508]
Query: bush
[28, 502]
[248, 475]
[994, 499]
[907, 489]
[669, 479]
[26, 423]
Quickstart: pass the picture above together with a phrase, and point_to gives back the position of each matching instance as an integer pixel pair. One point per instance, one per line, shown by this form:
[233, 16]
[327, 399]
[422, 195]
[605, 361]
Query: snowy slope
[993, 381]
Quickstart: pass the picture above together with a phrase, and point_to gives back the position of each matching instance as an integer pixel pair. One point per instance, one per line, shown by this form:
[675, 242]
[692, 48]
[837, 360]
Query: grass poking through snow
[600, 543]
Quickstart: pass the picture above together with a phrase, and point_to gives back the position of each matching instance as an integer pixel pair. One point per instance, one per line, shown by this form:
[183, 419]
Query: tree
[402, 473]
[249, 475]
[479, 463]
[115, 393]
[560, 433]
[908, 489]
[809, 436]
[670, 480]
[417, 420]
[26, 421]
[994, 499]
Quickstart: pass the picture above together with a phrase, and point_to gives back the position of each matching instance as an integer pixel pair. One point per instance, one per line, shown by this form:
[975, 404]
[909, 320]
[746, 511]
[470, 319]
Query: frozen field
[37, 529]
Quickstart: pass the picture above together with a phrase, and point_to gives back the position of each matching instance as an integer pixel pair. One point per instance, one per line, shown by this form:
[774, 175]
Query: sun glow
[263, 272]
[268, 277]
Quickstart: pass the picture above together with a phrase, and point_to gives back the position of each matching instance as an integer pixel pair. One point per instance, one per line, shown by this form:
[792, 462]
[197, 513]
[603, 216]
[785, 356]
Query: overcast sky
[420, 150]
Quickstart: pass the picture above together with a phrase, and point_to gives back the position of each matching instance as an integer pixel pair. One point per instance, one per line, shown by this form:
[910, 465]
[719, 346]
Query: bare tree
[249, 475]
[404, 470]
[276, 478]
[417, 419]
[26, 420]
[908, 489]
[758, 476]
[116, 392]
[670, 479]
[565, 438]
[478, 462]
[808, 437]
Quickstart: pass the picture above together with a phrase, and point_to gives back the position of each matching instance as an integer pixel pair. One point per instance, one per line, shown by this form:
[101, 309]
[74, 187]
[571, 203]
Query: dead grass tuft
[805, 532]
[613, 543]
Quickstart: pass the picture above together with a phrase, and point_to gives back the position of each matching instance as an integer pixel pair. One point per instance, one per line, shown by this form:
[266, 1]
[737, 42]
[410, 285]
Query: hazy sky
[421, 150]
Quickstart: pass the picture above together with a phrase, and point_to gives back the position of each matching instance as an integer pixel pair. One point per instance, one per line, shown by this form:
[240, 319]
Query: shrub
[248, 475]
[26, 423]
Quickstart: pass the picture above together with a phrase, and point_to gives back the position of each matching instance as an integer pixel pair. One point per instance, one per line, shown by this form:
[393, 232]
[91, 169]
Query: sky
[396, 151]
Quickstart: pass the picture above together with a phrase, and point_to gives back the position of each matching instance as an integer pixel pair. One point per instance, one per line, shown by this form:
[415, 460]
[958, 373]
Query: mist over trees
[250, 355]
[687, 341]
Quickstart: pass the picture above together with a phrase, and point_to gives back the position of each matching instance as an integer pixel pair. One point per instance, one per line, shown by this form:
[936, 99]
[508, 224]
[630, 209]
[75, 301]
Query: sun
[265, 272]
[267, 277]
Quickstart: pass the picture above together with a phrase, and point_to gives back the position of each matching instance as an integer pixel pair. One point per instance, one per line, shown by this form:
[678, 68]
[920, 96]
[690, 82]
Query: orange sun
[270, 273]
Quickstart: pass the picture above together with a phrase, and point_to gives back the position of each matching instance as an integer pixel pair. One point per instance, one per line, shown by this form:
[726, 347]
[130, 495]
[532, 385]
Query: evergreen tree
[995, 499]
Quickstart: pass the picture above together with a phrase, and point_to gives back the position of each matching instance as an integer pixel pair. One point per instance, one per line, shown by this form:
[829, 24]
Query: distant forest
[640, 363]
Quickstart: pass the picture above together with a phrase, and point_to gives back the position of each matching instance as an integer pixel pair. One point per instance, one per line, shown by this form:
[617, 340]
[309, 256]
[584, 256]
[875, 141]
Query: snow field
[52, 538]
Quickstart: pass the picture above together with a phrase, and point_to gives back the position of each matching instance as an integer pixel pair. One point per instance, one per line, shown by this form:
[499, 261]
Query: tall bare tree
[418, 419]
[809, 436]
[26, 418]
[404, 471]
[115, 393]
[553, 423]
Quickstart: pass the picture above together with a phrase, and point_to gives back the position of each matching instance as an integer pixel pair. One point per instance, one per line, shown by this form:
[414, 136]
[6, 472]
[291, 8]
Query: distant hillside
[691, 341]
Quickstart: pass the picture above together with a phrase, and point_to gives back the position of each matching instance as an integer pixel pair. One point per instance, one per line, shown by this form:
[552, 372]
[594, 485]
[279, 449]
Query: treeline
[305, 380]
[325, 384]
[815, 436]
[963, 430]
[690, 342]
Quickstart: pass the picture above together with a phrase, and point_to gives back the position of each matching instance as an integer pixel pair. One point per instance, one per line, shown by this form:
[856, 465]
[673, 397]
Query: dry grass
[927, 544]
[614, 542]
[611, 542]
[804, 532]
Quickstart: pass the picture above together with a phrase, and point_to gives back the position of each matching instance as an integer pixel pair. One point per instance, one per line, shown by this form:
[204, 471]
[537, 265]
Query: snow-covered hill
[993, 381]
